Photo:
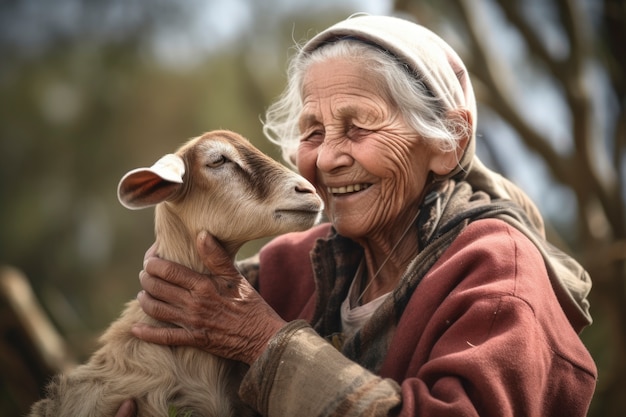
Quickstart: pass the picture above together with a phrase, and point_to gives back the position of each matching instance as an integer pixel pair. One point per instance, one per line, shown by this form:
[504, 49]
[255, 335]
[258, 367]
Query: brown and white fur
[219, 183]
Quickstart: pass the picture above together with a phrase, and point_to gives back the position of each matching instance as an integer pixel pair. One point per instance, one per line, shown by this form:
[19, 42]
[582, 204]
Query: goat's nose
[305, 187]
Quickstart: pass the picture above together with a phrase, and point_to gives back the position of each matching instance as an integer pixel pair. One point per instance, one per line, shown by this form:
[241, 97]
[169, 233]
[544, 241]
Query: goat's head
[220, 183]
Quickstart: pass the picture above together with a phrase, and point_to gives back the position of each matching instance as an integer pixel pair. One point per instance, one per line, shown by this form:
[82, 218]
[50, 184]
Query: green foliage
[172, 412]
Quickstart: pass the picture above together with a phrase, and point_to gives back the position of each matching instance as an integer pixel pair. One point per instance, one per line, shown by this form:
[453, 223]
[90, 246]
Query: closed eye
[355, 132]
[313, 136]
[218, 161]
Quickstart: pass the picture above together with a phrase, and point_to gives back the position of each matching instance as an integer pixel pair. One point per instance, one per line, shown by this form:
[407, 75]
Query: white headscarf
[444, 74]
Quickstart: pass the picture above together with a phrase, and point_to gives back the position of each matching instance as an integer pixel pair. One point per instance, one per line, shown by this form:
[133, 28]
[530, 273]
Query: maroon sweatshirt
[483, 334]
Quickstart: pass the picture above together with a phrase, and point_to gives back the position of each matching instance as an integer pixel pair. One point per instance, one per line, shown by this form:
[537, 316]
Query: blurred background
[90, 89]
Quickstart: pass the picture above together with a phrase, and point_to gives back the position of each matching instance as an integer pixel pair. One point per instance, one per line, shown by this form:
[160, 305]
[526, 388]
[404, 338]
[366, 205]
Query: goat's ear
[145, 187]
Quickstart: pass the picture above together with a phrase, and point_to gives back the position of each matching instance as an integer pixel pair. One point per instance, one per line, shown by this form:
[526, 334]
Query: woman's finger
[160, 310]
[170, 336]
[151, 252]
[213, 256]
[172, 272]
[160, 288]
[127, 409]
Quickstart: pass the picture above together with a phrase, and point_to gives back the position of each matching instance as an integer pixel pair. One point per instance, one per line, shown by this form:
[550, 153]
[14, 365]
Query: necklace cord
[358, 300]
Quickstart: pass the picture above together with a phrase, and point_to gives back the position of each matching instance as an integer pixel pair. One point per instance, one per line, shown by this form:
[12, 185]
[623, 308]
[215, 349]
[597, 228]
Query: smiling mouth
[347, 189]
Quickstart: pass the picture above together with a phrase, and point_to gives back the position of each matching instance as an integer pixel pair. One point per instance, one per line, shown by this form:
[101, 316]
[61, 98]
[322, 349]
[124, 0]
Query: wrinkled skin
[220, 313]
[351, 134]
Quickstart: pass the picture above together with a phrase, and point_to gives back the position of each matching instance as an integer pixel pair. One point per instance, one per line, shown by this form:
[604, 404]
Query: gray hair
[407, 90]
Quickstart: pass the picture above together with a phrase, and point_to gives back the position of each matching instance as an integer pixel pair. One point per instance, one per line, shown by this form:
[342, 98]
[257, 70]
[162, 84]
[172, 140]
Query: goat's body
[157, 377]
[226, 180]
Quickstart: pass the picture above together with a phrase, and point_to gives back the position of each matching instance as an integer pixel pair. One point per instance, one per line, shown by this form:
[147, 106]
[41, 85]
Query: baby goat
[219, 183]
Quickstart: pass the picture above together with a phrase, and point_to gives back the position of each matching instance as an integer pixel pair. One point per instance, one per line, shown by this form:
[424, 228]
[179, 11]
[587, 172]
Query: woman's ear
[444, 162]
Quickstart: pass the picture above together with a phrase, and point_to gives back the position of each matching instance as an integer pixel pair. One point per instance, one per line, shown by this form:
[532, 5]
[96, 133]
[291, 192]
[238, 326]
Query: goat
[217, 182]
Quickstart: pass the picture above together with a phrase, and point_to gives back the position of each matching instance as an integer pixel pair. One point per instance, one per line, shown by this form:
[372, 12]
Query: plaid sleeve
[249, 268]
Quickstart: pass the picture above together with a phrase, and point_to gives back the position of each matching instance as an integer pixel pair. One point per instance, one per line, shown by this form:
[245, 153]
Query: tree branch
[487, 67]
[530, 35]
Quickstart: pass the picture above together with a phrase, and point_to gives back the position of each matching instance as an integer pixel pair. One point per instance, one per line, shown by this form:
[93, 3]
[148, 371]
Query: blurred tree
[571, 55]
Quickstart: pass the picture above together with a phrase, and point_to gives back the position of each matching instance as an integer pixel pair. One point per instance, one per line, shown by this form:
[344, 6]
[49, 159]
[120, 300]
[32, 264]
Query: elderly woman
[430, 292]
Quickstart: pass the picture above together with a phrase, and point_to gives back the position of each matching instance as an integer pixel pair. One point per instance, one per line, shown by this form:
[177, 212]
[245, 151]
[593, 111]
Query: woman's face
[367, 164]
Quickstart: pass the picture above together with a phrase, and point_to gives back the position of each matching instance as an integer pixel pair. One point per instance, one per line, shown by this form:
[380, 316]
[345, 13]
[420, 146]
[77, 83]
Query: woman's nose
[333, 154]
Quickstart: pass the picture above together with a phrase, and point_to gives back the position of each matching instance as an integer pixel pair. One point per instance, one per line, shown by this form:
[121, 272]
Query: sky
[218, 22]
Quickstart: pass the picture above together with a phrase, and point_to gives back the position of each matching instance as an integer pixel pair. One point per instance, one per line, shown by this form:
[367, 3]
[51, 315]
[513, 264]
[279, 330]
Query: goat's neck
[176, 243]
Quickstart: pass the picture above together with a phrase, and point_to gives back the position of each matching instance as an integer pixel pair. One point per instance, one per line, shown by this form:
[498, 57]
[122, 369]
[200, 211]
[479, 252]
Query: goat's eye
[217, 161]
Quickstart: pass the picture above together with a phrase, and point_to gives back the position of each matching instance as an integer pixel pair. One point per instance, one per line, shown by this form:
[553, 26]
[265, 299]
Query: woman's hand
[220, 313]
